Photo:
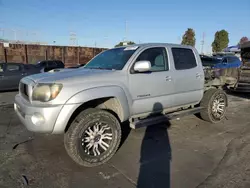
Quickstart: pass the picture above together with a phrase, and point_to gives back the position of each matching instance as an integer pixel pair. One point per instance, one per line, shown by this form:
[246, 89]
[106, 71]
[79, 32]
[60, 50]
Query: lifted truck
[143, 84]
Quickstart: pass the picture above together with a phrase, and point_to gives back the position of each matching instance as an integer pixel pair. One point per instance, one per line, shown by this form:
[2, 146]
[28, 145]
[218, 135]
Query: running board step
[153, 120]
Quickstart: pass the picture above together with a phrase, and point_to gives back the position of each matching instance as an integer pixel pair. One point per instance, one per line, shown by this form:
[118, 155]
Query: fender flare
[104, 92]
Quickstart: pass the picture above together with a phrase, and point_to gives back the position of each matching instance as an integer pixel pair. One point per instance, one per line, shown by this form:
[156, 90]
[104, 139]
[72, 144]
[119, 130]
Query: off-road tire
[72, 138]
[207, 102]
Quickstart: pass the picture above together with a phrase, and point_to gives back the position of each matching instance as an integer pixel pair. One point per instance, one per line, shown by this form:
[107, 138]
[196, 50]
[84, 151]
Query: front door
[2, 81]
[152, 91]
[13, 75]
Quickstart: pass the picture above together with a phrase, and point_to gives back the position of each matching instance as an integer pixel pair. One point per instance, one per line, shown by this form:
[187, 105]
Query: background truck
[243, 76]
[141, 84]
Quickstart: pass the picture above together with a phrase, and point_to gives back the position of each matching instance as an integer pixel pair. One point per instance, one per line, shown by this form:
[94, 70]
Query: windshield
[39, 64]
[113, 59]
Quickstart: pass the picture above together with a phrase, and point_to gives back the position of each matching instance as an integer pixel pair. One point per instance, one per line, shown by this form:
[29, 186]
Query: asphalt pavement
[7, 98]
[186, 153]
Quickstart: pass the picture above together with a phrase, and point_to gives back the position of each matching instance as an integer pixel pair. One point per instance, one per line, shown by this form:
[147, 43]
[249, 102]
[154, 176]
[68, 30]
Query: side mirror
[142, 66]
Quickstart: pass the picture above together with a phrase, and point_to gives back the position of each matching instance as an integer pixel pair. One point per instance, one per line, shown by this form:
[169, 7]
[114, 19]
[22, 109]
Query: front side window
[183, 58]
[224, 60]
[157, 57]
[59, 64]
[113, 59]
[12, 67]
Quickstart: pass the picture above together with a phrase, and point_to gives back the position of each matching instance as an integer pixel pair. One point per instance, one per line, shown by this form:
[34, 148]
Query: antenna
[202, 42]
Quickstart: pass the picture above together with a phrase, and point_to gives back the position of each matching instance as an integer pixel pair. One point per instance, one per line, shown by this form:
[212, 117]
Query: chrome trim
[30, 85]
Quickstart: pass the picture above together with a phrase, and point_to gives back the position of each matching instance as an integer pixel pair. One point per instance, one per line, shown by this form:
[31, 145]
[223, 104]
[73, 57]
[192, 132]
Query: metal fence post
[46, 54]
[26, 54]
[5, 55]
[63, 54]
[78, 55]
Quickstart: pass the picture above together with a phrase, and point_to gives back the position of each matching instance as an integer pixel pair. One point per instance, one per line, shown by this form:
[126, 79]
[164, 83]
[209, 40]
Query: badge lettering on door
[146, 95]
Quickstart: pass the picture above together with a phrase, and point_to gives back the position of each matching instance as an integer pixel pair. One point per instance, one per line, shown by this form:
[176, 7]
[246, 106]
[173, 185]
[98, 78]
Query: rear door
[13, 74]
[188, 77]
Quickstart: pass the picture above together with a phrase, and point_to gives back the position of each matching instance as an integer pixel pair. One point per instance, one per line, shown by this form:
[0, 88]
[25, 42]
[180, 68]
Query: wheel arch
[112, 99]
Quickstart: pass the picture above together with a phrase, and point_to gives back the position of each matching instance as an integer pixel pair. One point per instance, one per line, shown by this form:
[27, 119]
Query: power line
[20, 35]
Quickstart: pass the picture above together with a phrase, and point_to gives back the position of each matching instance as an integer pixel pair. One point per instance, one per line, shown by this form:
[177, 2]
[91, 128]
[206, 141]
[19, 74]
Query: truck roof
[157, 44]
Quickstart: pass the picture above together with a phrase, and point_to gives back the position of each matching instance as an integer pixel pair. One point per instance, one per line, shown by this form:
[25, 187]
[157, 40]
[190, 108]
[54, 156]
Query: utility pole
[126, 30]
[73, 39]
[202, 42]
[2, 30]
[179, 39]
[14, 31]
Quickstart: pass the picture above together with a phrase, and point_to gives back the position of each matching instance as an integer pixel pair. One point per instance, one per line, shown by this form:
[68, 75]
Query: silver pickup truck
[141, 84]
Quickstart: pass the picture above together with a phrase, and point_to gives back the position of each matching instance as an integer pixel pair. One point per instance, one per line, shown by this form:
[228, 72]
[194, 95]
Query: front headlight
[46, 92]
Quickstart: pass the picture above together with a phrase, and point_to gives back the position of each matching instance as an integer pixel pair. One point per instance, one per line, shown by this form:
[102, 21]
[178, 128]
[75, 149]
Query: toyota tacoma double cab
[141, 84]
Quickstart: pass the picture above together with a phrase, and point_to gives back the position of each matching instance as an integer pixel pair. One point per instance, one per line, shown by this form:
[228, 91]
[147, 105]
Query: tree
[124, 43]
[221, 41]
[243, 40]
[189, 37]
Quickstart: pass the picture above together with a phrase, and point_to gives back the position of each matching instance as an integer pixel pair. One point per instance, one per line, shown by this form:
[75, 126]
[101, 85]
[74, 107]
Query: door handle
[168, 78]
[1, 76]
[198, 75]
[24, 74]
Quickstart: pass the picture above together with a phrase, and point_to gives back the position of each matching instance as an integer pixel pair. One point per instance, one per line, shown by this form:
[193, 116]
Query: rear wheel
[214, 103]
[93, 137]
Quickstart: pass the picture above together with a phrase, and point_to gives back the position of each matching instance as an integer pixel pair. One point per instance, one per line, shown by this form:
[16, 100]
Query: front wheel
[93, 137]
[214, 103]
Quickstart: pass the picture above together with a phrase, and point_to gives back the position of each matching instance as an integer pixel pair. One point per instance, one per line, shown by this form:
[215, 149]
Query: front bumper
[25, 111]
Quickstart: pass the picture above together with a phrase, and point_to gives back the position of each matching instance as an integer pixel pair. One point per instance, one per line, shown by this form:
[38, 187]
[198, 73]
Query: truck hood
[66, 74]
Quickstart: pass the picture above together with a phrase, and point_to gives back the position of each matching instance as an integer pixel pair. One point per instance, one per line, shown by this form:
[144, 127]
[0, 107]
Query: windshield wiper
[101, 68]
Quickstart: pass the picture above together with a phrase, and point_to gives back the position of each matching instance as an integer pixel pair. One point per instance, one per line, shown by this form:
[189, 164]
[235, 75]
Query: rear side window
[1, 67]
[29, 66]
[183, 58]
[51, 64]
[13, 67]
[224, 60]
[60, 64]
